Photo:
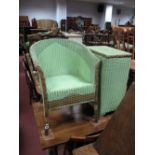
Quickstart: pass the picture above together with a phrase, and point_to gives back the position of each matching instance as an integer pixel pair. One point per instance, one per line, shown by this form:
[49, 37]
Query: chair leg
[46, 128]
[96, 112]
[46, 125]
[47, 132]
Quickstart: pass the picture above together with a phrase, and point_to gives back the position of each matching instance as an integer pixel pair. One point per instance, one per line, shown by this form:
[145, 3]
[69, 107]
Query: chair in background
[119, 37]
[68, 73]
[118, 137]
[24, 24]
[124, 39]
[47, 24]
[43, 29]
[130, 41]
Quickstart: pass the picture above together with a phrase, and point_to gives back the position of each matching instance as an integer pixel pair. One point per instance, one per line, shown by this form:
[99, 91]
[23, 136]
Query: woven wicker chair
[68, 74]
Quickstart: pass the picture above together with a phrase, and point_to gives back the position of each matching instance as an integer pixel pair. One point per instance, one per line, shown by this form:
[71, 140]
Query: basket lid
[108, 52]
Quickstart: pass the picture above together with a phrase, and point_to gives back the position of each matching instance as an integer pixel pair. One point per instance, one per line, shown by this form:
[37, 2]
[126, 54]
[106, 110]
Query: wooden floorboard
[68, 122]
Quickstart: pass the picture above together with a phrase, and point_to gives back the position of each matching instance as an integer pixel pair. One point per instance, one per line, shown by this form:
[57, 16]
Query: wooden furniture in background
[78, 141]
[23, 25]
[118, 137]
[23, 22]
[130, 41]
[47, 24]
[71, 23]
[124, 39]
[93, 39]
[127, 25]
[63, 25]
[41, 29]
[75, 23]
[21, 43]
[87, 23]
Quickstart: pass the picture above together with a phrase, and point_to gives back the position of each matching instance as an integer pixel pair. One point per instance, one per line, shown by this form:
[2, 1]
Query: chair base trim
[71, 100]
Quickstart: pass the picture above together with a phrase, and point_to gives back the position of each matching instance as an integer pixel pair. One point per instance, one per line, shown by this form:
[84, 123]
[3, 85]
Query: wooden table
[118, 138]
[68, 123]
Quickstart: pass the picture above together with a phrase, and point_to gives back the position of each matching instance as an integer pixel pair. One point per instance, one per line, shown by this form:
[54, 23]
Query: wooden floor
[68, 122]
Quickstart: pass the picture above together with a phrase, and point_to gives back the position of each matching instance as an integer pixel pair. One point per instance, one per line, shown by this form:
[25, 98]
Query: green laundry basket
[114, 76]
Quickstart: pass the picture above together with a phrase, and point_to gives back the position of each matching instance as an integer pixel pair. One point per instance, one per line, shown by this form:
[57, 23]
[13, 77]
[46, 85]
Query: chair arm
[42, 83]
[93, 64]
[43, 90]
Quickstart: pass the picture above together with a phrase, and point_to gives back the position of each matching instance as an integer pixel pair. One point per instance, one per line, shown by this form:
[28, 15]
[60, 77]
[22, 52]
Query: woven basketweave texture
[68, 68]
[68, 73]
[114, 76]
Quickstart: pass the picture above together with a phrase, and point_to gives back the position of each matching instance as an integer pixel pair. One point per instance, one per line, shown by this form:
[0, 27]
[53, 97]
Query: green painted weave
[114, 76]
[65, 85]
[109, 52]
[68, 67]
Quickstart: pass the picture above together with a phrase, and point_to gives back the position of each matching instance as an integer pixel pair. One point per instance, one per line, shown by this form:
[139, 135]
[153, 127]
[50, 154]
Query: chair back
[62, 56]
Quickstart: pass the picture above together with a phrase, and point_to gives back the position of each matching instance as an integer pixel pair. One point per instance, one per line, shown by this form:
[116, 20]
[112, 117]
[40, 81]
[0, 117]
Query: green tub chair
[68, 73]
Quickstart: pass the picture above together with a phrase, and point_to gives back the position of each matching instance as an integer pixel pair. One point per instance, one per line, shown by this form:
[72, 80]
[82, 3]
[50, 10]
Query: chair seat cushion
[61, 86]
